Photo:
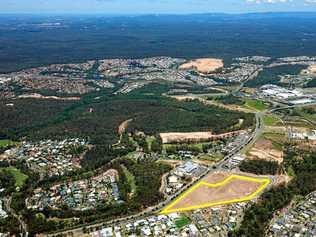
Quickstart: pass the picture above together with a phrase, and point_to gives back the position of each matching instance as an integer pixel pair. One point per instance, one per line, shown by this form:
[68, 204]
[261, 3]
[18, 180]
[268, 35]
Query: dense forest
[96, 37]
[7, 182]
[228, 99]
[148, 180]
[260, 167]
[27, 114]
[150, 114]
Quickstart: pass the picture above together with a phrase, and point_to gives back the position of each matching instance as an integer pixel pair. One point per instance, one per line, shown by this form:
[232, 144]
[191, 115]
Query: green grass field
[274, 136]
[5, 143]
[270, 120]
[194, 146]
[130, 179]
[277, 140]
[20, 178]
[182, 221]
[150, 140]
[256, 105]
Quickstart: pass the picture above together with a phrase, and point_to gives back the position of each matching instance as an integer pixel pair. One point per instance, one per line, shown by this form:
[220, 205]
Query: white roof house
[187, 167]
[106, 232]
[173, 179]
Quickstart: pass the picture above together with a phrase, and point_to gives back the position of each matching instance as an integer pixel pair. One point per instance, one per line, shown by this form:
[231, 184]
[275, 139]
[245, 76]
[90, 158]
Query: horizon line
[156, 14]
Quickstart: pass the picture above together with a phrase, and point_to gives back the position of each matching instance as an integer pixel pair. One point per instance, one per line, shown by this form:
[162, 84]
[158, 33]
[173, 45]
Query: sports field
[218, 189]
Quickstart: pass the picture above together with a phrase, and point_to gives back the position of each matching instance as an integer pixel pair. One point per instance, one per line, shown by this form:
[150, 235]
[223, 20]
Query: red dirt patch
[234, 189]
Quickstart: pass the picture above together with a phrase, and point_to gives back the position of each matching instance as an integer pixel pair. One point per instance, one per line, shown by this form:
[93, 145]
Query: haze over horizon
[155, 6]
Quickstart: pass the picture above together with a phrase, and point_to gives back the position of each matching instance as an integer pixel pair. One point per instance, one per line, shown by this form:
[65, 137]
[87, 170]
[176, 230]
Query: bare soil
[312, 69]
[263, 149]
[235, 189]
[185, 137]
[39, 96]
[203, 65]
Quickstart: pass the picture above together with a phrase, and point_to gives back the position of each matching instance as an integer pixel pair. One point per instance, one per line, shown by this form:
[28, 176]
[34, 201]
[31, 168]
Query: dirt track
[123, 126]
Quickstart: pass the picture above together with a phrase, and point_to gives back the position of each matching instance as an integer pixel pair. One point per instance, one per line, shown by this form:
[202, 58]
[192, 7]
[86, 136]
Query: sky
[154, 6]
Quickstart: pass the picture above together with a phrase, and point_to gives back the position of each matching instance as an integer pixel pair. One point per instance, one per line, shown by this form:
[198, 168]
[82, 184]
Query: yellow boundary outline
[265, 182]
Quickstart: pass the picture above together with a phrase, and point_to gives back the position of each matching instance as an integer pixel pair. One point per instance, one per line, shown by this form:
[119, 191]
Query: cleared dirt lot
[203, 65]
[39, 96]
[218, 189]
[312, 69]
[216, 177]
[264, 149]
[184, 137]
[173, 137]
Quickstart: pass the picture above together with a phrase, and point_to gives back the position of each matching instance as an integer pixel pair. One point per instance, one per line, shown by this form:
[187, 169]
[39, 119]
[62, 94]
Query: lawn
[257, 105]
[20, 178]
[190, 146]
[150, 140]
[271, 120]
[277, 140]
[214, 157]
[274, 136]
[182, 221]
[5, 143]
[130, 179]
